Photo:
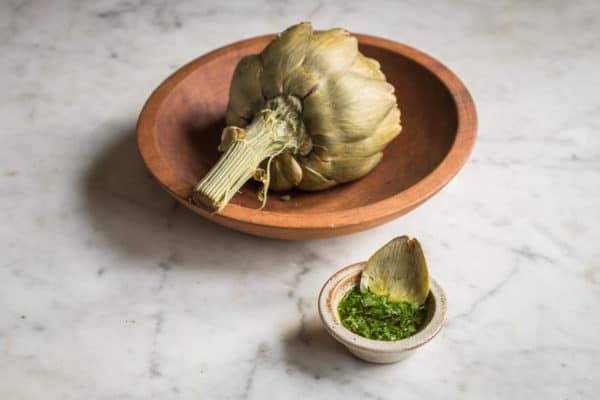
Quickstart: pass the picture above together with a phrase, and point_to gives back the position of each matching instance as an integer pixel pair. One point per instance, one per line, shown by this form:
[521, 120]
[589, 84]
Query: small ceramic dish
[377, 351]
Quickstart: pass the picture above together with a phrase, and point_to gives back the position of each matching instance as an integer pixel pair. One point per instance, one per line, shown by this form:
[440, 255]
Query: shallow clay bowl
[180, 126]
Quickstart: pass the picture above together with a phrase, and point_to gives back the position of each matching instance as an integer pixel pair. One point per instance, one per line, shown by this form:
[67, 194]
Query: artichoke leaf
[245, 97]
[331, 52]
[285, 172]
[398, 269]
[303, 82]
[367, 67]
[388, 129]
[316, 68]
[282, 56]
[341, 169]
[349, 107]
[232, 118]
[313, 180]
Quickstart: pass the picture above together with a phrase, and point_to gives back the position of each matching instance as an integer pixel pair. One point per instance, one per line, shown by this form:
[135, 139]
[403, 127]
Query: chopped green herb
[377, 317]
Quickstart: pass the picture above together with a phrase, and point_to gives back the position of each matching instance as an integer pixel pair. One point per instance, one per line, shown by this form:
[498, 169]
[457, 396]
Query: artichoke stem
[264, 138]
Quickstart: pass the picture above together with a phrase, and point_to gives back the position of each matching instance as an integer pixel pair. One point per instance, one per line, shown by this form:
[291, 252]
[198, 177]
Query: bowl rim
[328, 315]
[369, 214]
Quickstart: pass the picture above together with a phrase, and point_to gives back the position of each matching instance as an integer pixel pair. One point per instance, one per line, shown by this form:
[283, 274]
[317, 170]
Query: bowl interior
[352, 280]
[190, 120]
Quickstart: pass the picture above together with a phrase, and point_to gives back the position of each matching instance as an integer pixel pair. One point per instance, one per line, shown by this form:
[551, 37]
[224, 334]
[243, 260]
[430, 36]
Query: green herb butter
[377, 317]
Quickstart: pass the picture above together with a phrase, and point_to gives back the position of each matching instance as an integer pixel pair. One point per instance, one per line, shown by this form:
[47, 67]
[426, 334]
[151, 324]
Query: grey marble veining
[109, 290]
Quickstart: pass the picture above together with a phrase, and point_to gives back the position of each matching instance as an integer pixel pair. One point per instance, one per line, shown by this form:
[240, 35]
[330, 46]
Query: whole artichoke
[310, 111]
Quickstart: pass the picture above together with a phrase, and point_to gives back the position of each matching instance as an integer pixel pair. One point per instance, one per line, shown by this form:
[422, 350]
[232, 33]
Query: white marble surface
[108, 290]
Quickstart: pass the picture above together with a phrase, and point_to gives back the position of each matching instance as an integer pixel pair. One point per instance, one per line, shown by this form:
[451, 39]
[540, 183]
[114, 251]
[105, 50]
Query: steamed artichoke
[310, 111]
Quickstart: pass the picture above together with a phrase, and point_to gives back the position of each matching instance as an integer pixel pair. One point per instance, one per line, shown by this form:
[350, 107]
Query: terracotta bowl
[180, 125]
[377, 351]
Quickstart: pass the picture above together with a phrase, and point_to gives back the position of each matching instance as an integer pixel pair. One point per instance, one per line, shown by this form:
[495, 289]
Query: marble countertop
[109, 290]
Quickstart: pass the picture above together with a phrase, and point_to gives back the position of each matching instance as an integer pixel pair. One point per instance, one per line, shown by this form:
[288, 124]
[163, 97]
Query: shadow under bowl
[180, 125]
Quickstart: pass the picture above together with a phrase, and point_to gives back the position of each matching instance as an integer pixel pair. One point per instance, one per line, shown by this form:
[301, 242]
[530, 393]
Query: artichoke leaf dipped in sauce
[399, 270]
[309, 112]
[389, 302]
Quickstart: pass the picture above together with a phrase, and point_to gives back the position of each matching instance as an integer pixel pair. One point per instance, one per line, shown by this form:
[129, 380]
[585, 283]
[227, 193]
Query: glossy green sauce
[377, 317]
